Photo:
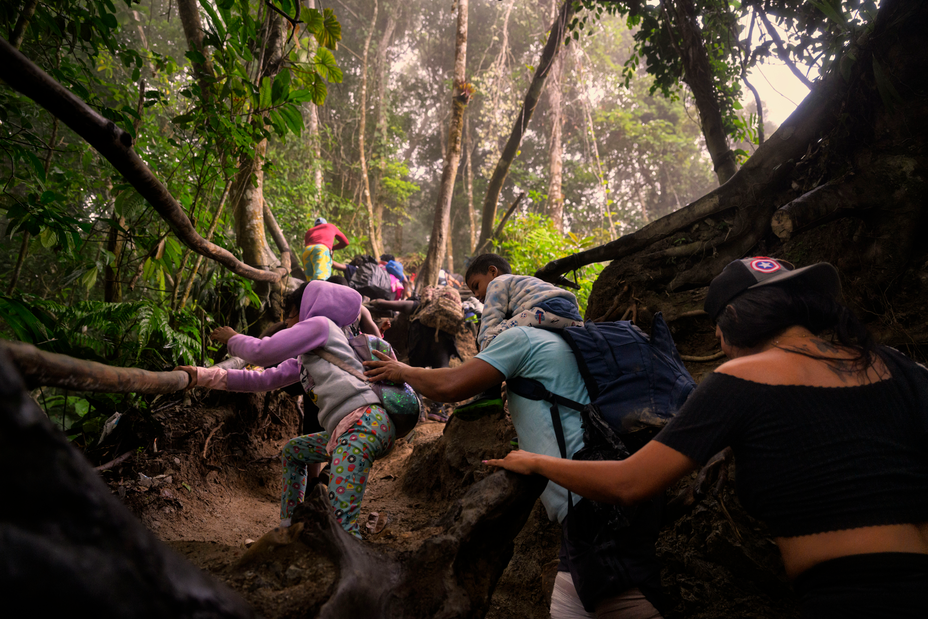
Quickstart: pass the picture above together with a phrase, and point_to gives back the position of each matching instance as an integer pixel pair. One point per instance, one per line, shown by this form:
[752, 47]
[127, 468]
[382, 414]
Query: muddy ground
[207, 483]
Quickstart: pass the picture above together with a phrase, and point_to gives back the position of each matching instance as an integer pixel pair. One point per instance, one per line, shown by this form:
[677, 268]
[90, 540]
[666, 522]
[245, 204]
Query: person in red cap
[319, 243]
[829, 432]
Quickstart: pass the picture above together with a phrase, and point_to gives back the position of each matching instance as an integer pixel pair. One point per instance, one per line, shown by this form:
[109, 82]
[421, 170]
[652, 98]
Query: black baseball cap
[758, 271]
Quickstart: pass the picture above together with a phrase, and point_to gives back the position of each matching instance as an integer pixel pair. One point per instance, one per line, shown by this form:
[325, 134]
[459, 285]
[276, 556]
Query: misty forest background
[413, 125]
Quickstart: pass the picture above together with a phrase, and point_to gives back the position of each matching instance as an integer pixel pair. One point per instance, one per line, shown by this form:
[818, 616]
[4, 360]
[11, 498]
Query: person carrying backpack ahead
[357, 428]
[320, 242]
[512, 301]
[830, 435]
[625, 581]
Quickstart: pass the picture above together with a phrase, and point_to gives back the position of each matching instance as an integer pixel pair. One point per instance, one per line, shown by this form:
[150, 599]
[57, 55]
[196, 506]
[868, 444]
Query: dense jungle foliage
[342, 112]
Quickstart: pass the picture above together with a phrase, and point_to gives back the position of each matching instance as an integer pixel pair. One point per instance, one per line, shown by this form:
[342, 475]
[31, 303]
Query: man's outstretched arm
[441, 385]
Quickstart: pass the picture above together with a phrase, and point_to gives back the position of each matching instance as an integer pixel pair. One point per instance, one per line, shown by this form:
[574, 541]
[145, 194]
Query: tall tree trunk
[372, 224]
[697, 74]
[25, 16]
[312, 132]
[545, 64]
[248, 207]
[469, 185]
[248, 186]
[380, 151]
[189, 11]
[555, 206]
[428, 274]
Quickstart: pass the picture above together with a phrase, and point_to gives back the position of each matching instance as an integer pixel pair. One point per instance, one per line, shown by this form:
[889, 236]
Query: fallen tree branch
[116, 146]
[51, 369]
[814, 207]
[115, 462]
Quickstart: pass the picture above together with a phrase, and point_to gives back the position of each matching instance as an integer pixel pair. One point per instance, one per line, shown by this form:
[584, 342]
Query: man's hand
[191, 372]
[516, 461]
[223, 334]
[385, 369]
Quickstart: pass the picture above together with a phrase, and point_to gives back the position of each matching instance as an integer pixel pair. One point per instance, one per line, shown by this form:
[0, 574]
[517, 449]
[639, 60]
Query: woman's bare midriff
[801, 553]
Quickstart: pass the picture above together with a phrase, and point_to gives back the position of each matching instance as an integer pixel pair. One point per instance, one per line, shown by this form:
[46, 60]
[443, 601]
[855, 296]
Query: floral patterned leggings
[355, 451]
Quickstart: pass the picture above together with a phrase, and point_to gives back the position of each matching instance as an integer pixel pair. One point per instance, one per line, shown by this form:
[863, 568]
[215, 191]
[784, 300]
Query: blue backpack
[636, 384]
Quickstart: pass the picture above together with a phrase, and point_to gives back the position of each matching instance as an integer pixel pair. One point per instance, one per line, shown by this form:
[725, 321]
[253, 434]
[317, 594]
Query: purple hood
[340, 304]
[321, 301]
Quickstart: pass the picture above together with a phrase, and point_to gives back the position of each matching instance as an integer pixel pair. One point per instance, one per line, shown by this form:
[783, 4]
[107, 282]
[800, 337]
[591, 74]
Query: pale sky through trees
[780, 90]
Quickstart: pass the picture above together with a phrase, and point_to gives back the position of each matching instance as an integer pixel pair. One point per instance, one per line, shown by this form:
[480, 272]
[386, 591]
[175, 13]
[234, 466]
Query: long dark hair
[760, 314]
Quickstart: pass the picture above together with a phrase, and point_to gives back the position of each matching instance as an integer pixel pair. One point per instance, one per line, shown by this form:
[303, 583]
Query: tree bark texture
[25, 16]
[469, 186]
[379, 152]
[372, 223]
[40, 368]
[545, 64]
[116, 147]
[698, 76]
[248, 207]
[69, 546]
[189, 12]
[435, 257]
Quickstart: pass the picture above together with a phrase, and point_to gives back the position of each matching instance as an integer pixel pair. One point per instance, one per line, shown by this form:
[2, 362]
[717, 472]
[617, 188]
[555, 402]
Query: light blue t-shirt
[544, 356]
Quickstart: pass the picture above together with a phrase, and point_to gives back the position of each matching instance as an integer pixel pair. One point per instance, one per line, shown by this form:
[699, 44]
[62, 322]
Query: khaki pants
[631, 604]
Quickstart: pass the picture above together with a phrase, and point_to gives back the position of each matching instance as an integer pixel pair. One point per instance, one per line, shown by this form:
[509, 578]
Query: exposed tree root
[451, 575]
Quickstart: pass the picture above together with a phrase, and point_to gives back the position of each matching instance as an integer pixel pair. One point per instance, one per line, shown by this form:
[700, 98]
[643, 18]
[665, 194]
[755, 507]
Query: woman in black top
[830, 433]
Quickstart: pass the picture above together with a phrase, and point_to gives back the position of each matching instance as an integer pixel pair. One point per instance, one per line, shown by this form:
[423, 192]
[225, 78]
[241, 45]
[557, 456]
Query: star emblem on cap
[765, 265]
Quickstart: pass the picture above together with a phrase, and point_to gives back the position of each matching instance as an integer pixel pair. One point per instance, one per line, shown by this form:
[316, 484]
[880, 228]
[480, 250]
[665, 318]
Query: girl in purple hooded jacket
[357, 429]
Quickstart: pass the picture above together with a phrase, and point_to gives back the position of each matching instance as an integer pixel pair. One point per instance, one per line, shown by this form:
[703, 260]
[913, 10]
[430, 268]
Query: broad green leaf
[214, 18]
[37, 165]
[300, 96]
[327, 67]
[281, 89]
[315, 24]
[264, 98]
[319, 90]
[47, 238]
[293, 117]
[195, 56]
[89, 278]
[834, 14]
[331, 31]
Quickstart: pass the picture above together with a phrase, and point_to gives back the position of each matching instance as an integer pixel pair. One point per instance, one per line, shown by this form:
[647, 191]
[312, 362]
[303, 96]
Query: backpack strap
[339, 363]
[558, 427]
[532, 389]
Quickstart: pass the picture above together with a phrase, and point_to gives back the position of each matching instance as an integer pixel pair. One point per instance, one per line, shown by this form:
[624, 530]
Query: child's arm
[284, 374]
[286, 344]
